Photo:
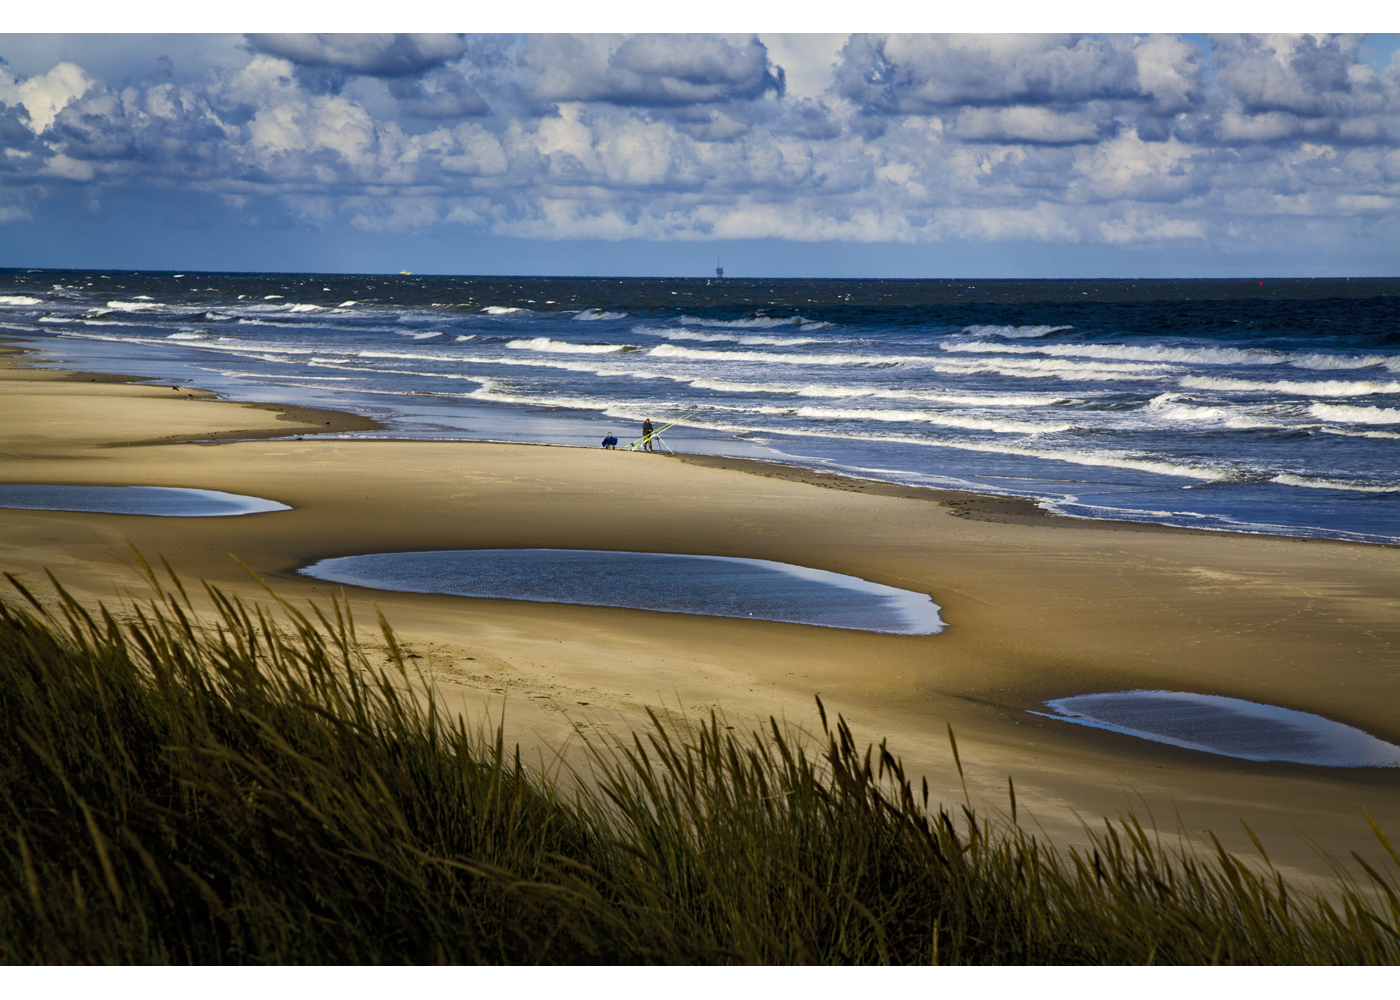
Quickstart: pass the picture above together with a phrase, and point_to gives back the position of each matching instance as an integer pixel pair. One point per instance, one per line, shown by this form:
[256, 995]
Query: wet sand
[1034, 611]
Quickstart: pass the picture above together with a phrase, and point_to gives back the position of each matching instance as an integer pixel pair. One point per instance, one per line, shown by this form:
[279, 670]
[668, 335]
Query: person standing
[646, 434]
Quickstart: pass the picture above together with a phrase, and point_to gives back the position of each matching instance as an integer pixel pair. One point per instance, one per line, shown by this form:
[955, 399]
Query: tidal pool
[697, 585]
[1227, 726]
[159, 501]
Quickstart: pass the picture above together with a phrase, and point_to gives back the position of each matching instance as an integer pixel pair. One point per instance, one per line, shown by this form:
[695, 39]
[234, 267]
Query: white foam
[464, 336]
[1104, 459]
[691, 353]
[424, 335]
[187, 336]
[1332, 362]
[870, 392]
[347, 304]
[305, 308]
[587, 315]
[1288, 479]
[503, 310]
[131, 306]
[1014, 332]
[19, 300]
[921, 416]
[562, 347]
[1333, 388]
[269, 298]
[756, 322]
[1356, 414]
[1377, 435]
[1160, 355]
[1169, 405]
[751, 340]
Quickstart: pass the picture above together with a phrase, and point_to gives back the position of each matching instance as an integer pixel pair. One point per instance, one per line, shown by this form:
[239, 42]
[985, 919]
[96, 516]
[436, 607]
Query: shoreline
[1032, 614]
[969, 504]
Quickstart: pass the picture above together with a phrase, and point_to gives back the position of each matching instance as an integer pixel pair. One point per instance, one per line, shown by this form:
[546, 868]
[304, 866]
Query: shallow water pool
[1227, 726]
[699, 585]
[159, 501]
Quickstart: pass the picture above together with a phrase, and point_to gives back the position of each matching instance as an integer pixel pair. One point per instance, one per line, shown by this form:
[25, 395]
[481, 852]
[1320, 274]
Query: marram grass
[251, 788]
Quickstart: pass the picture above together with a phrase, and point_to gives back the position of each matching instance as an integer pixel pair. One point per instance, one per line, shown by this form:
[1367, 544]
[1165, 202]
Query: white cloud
[43, 97]
[1072, 139]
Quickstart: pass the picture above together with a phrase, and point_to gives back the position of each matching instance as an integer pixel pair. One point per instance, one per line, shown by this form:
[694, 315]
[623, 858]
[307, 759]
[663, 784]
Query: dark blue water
[159, 501]
[697, 585]
[1228, 726]
[1267, 406]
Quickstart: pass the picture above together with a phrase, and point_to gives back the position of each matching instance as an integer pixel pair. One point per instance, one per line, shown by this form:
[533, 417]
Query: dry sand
[1037, 607]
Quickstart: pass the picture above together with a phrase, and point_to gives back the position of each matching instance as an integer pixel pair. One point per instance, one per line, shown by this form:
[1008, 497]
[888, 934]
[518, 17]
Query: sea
[1263, 405]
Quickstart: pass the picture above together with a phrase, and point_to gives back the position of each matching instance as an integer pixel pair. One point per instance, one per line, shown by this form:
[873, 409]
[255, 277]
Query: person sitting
[610, 442]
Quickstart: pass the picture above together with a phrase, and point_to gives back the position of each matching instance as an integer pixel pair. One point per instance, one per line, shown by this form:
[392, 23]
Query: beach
[1037, 607]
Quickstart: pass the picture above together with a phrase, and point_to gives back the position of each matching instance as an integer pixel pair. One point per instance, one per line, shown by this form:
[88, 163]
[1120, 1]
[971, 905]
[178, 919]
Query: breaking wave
[562, 347]
[1333, 388]
[751, 340]
[756, 322]
[1160, 355]
[1014, 332]
[1356, 414]
[1288, 479]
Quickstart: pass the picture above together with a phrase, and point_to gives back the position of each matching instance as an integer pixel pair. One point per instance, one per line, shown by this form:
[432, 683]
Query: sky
[777, 155]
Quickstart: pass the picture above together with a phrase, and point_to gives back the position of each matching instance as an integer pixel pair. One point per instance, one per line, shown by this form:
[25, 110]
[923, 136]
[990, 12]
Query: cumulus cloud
[324, 61]
[1278, 87]
[651, 70]
[1075, 139]
[365, 54]
[43, 97]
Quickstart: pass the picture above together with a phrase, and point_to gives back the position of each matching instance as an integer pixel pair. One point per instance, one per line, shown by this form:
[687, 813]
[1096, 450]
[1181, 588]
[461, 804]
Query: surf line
[656, 433]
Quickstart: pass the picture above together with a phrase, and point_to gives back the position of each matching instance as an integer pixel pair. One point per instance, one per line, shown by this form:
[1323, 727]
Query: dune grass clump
[252, 788]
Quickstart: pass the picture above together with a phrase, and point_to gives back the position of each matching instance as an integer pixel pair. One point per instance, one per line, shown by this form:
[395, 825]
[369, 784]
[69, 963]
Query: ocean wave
[305, 308]
[1340, 362]
[690, 353]
[1160, 355]
[504, 310]
[756, 322]
[587, 315]
[951, 399]
[347, 304]
[1013, 332]
[921, 416]
[1356, 414]
[187, 336]
[422, 335]
[562, 347]
[124, 306]
[464, 336]
[871, 392]
[1092, 458]
[1288, 479]
[1377, 435]
[1333, 388]
[1173, 406]
[751, 340]
[19, 300]
[1170, 405]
